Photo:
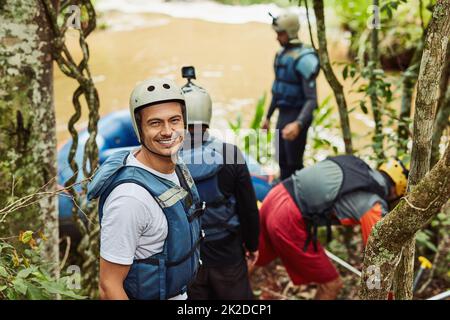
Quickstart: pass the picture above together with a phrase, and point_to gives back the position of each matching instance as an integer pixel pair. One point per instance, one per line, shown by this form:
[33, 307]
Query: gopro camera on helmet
[188, 72]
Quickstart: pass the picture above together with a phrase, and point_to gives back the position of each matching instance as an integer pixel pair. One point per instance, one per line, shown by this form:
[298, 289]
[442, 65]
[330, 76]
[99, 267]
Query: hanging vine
[89, 245]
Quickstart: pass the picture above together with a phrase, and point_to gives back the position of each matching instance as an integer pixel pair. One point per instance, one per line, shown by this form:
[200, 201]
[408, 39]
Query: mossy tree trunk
[432, 66]
[27, 121]
[385, 244]
[443, 108]
[391, 244]
[408, 84]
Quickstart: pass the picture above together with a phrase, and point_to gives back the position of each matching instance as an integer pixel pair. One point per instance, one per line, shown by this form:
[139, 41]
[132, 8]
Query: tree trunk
[397, 231]
[336, 86]
[439, 127]
[432, 64]
[373, 64]
[445, 77]
[404, 273]
[27, 123]
[443, 110]
[433, 60]
[390, 235]
[408, 84]
[440, 260]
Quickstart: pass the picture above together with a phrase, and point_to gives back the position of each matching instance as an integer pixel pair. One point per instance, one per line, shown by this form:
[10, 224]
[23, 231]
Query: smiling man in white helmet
[148, 204]
[293, 92]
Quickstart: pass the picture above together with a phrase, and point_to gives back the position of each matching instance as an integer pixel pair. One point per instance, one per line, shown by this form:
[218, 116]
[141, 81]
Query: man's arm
[307, 68]
[271, 110]
[306, 114]
[266, 123]
[112, 276]
[247, 208]
[124, 218]
[304, 119]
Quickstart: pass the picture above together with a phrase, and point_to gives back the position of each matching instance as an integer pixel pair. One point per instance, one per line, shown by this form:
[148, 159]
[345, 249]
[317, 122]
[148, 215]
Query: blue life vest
[204, 163]
[169, 272]
[291, 65]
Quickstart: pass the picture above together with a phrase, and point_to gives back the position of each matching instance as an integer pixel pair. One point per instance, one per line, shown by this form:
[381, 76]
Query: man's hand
[266, 125]
[291, 131]
[251, 257]
[111, 280]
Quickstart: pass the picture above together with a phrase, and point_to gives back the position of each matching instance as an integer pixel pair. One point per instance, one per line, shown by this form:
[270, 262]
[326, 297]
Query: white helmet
[287, 21]
[198, 104]
[154, 91]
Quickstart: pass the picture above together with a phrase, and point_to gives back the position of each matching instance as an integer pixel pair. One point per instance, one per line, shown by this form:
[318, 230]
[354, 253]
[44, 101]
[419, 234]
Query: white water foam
[200, 9]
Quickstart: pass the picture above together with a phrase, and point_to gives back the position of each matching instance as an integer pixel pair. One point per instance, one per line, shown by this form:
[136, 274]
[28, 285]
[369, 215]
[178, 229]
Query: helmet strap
[404, 170]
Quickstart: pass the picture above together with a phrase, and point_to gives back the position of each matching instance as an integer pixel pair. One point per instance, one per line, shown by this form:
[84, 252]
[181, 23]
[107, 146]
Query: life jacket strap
[198, 211]
[156, 262]
[312, 221]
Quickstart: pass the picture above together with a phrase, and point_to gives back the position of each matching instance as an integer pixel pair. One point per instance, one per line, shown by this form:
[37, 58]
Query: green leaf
[35, 293]
[26, 236]
[259, 113]
[11, 295]
[57, 288]
[236, 126]
[441, 216]
[5, 245]
[325, 102]
[20, 286]
[3, 272]
[431, 246]
[389, 12]
[362, 104]
[24, 273]
[345, 72]
[323, 117]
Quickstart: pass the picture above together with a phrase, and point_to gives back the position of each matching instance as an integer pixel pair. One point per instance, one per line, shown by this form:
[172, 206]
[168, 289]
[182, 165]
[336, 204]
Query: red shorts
[283, 234]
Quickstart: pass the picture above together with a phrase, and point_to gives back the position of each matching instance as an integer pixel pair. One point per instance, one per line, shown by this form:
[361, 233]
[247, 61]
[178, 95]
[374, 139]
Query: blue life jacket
[169, 272]
[291, 65]
[204, 163]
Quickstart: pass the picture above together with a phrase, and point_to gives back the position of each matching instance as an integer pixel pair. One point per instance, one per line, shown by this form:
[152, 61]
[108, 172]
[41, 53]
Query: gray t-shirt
[133, 224]
[355, 205]
[319, 184]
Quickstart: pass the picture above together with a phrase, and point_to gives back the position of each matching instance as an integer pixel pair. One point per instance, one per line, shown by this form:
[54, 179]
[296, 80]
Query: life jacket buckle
[202, 234]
